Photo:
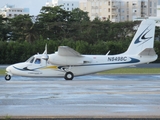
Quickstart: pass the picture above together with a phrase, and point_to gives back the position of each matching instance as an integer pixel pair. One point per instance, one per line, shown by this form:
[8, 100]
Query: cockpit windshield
[30, 60]
[34, 60]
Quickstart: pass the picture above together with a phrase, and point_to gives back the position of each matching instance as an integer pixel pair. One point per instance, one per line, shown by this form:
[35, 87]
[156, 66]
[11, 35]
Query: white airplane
[68, 63]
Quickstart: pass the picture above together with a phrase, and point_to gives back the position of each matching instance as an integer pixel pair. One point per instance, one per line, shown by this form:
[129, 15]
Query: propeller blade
[45, 55]
[45, 51]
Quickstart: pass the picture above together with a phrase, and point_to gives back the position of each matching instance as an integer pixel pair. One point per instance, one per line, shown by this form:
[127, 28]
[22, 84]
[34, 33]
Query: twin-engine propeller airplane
[68, 63]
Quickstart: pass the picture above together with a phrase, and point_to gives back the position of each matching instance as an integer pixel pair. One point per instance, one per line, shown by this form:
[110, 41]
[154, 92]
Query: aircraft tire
[7, 77]
[69, 76]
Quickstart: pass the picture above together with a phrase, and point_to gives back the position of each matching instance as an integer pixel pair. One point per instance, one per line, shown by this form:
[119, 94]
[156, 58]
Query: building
[119, 10]
[153, 13]
[67, 5]
[11, 11]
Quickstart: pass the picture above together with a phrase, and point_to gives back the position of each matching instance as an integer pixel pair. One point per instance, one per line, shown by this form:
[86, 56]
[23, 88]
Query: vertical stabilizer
[144, 37]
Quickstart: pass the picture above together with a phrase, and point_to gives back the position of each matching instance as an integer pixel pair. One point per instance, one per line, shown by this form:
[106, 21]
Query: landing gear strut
[7, 77]
[69, 76]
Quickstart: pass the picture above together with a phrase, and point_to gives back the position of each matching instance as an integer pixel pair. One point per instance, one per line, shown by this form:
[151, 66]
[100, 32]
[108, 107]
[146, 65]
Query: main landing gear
[69, 76]
[7, 77]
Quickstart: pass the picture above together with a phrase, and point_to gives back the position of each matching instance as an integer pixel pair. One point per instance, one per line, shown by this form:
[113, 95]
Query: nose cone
[8, 69]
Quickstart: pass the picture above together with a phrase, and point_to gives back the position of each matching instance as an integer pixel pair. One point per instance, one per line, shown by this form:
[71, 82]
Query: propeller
[45, 55]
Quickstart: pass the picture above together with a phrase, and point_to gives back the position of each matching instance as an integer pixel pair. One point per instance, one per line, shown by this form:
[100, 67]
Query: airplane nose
[8, 69]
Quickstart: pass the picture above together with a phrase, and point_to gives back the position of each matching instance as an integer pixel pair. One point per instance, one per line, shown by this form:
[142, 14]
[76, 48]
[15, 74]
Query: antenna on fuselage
[108, 52]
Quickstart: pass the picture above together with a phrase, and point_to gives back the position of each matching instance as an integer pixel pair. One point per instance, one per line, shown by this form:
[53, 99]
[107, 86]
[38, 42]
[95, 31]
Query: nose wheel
[7, 77]
[69, 76]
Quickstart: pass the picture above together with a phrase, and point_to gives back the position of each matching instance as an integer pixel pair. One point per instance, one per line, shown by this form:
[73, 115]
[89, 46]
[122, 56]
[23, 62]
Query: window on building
[109, 3]
[150, 4]
[97, 3]
[67, 4]
[150, 11]
[155, 11]
[104, 18]
[10, 15]
[72, 4]
[67, 8]
[155, 5]
[108, 9]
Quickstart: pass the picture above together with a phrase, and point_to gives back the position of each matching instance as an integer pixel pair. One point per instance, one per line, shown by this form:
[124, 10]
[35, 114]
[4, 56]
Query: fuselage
[96, 63]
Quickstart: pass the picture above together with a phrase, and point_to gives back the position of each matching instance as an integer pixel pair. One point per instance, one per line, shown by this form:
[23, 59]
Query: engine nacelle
[56, 59]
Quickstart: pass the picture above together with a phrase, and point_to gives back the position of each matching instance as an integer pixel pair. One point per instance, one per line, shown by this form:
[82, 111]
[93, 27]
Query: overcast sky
[33, 5]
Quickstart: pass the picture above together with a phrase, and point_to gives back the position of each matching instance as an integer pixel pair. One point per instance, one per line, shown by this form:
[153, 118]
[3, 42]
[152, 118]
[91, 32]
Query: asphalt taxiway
[96, 96]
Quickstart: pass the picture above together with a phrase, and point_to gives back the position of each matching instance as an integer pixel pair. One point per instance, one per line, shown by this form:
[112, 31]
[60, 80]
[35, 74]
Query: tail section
[143, 40]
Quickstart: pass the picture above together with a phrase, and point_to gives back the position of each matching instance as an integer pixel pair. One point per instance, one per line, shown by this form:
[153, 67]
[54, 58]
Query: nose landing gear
[7, 77]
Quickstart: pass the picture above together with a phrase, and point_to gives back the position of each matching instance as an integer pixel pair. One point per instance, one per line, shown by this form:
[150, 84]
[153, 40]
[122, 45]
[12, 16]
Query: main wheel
[68, 76]
[7, 77]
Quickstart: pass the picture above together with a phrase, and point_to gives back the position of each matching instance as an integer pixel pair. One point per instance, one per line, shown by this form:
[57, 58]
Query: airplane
[69, 63]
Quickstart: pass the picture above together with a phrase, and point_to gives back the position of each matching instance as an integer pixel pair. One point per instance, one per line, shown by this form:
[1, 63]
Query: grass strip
[132, 71]
[2, 71]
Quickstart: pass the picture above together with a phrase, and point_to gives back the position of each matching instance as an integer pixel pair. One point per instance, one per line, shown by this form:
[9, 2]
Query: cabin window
[37, 61]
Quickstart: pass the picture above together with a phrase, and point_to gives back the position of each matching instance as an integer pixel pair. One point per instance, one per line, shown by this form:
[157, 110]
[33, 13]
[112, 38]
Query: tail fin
[144, 38]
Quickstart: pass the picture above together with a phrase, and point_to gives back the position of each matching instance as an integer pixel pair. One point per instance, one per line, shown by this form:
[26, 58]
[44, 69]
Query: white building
[11, 11]
[67, 5]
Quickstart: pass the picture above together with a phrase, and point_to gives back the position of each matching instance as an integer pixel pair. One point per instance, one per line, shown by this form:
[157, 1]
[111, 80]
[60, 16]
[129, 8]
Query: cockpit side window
[37, 61]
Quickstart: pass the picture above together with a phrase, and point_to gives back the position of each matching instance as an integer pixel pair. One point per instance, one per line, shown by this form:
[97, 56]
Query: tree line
[24, 35]
[57, 24]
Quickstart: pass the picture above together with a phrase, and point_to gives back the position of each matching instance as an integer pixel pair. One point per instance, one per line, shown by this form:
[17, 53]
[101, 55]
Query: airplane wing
[67, 51]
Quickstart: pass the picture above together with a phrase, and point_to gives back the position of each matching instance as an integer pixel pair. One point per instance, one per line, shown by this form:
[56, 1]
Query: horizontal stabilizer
[148, 52]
